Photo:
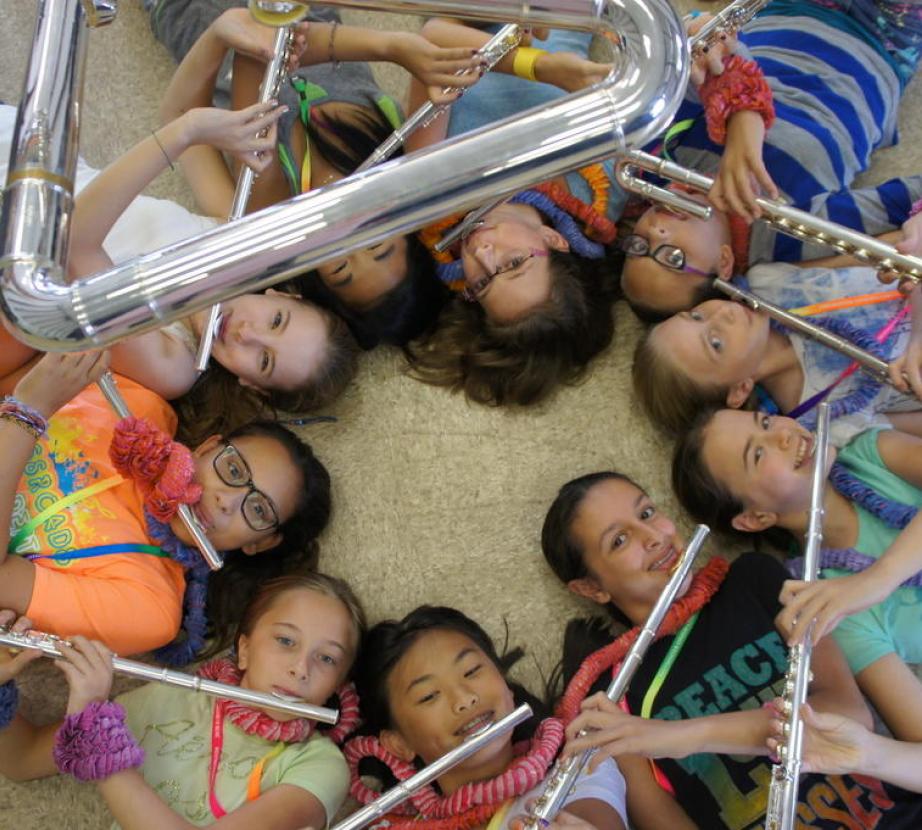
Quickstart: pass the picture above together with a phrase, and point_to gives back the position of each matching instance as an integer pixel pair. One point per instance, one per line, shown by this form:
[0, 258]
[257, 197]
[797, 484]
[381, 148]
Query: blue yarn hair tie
[194, 622]
[9, 701]
[566, 226]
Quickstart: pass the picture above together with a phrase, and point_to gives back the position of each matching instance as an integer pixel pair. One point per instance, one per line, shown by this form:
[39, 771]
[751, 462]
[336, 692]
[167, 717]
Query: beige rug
[435, 500]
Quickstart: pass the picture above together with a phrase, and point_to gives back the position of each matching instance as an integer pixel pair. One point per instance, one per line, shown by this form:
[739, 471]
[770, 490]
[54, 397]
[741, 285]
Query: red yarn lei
[473, 804]
[254, 722]
[704, 585]
[162, 468]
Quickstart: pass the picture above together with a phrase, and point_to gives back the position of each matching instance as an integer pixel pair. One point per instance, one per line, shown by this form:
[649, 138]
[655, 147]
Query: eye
[514, 263]
[757, 454]
[260, 510]
[428, 698]
[648, 512]
[277, 320]
[473, 670]
[696, 316]
[328, 659]
[264, 362]
[233, 469]
[287, 642]
[618, 540]
[340, 267]
[716, 343]
[765, 421]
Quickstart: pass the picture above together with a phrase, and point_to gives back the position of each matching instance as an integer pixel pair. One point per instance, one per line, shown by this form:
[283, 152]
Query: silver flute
[626, 109]
[493, 51]
[728, 21]
[402, 791]
[215, 561]
[268, 91]
[50, 645]
[871, 364]
[889, 262]
[782, 794]
[564, 774]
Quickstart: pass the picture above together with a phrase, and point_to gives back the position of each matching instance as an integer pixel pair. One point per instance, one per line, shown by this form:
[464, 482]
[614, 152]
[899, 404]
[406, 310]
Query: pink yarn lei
[254, 722]
[526, 772]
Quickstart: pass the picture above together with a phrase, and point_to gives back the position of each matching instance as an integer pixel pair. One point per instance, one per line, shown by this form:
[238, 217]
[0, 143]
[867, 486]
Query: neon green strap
[61, 504]
[647, 706]
[673, 133]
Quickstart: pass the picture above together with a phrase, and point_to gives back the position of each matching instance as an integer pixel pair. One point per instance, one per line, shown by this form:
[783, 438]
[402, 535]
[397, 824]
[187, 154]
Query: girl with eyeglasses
[93, 544]
[163, 756]
[721, 353]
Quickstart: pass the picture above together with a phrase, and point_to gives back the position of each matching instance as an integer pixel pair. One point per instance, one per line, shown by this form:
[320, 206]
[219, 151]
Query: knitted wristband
[9, 700]
[916, 208]
[523, 64]
[741, 86]
[95, 743]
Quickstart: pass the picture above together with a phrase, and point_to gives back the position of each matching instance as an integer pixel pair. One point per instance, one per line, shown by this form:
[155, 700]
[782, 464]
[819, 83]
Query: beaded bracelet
[9, 700]
[166, 155]
[95, 743]
[523, 64]
[26, 416]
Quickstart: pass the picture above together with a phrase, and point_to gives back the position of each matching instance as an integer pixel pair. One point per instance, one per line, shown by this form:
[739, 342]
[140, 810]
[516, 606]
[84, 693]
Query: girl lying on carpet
[164, 756]
[695, 703]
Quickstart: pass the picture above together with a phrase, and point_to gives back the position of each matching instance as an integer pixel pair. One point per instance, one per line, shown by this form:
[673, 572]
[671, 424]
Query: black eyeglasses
[472, 293]
[258, 510]
[669, 256]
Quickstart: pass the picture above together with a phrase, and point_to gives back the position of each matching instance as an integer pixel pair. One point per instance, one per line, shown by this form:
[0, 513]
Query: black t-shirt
[734, 659]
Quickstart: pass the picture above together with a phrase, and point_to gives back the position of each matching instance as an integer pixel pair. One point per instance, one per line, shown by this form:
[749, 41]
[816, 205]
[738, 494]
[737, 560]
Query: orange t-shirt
[132, 601]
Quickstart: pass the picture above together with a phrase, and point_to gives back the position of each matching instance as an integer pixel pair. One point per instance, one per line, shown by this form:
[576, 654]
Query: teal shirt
[894, 625]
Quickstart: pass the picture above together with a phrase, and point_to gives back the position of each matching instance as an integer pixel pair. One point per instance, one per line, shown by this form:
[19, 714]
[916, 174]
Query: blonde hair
[669, 397]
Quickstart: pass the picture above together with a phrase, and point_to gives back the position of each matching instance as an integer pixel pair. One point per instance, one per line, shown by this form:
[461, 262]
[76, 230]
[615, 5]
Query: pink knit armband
[95, 743]
[916, 209]
[741, 86]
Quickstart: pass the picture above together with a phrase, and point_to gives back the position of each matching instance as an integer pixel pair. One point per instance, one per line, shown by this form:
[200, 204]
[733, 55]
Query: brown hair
[670, 398]
[219, 403]
[524, 361]
[271, 590]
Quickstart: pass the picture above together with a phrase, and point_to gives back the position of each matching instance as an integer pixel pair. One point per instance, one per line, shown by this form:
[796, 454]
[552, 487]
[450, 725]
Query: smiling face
[706, 244]
[220, 512]
[440, 692]
[512, 246]
[361, 279]
[302, 646]
[717, 343]
[765, 461]
[270, 341]
[628, 548]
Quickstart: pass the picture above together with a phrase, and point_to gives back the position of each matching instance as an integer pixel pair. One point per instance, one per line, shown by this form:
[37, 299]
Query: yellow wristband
[523, 64]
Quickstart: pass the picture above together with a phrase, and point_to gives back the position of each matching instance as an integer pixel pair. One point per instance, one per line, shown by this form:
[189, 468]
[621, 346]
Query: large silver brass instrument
[268, 91]
[631, 106]
[402, 791]
[49, 644]
[493, 51]
[564, 775]
[872, 364]
[109, 388]
[782, 794]
[797, 223]
[726, 22]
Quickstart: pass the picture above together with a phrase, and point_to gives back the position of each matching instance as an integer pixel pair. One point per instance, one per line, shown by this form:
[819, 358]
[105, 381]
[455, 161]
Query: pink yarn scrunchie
[95, 743]
[741, 86]
[162, 467]
[916, 208]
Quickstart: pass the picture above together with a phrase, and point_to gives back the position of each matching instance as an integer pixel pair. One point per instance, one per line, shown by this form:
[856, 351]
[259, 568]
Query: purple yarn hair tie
[845, 559]
[9, 701]
[95, 743]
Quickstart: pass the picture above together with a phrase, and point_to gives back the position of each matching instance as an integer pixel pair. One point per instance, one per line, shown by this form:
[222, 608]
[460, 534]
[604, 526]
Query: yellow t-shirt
[173, 726]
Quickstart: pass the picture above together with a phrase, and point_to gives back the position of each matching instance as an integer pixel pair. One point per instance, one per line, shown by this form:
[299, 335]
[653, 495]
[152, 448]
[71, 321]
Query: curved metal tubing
[633, 105]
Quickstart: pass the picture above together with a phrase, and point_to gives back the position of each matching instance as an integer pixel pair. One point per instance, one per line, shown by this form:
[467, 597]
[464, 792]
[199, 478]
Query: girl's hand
[435, 66]
[237, 30]
[613, 732]
[712, 61]
[742, 175]
[12, 664]
[906, 370]
[58, 377]
[562, 821]
[833, 744]
[827, 602]
[87, 664]
[911, 245]
[237, 132]
[569, 71]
